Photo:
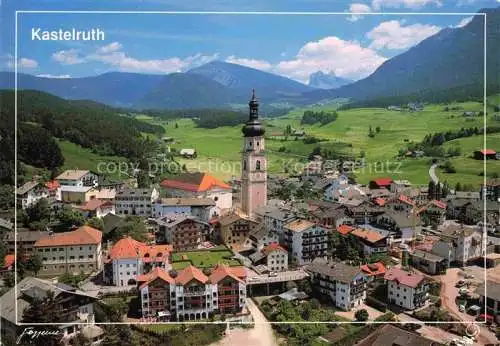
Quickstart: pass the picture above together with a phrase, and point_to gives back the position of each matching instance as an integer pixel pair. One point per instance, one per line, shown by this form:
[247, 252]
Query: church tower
[254, 164]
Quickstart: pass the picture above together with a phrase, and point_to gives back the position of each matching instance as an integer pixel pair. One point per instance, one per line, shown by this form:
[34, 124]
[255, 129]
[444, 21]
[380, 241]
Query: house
[394, 335]
[470, 114]
[188, 153]
[407, 226]
[260, 237]
[460, 244]
[199, 185]
[190, 294]
[341, 182]
[399, 185]
[415, 106]
[97, 208]
[491, 190]
[54, 189]
[30, 193]
[8, 265]
[26, 240]
[202, 208]
[433, 213]
[492, 299]
[129, 258]
[77, 194]
[371, 242]
[298, 133]
[136, 201]
[331, 217]
[71, 304]
[475, 212]
[364, 212]
[181, 231]
[274, 218]
[344, 284]
[273, 256]
[381, 183]
[428, 262]
[78, 178]
[471, 195]
[485, 154]
[70, 252]
[305, 241]
[315, 166]
[406, 289]
[400, 204]
[234, 230]
[373, 271]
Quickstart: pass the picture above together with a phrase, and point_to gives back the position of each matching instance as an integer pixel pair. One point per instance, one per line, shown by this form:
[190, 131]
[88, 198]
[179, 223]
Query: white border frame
[485, 233]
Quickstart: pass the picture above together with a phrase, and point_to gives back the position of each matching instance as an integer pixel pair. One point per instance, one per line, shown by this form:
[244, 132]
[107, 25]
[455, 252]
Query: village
[198, 249]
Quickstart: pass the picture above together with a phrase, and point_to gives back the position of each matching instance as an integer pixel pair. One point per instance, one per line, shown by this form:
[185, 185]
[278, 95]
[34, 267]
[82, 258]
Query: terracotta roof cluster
[191, 273]
[373, 269]
[379, 201]
[272, 247]
[52, 185]
[84, 235]
[406, 199]
[368, 235]
[196, 182]
[404, 277]
[131, 248]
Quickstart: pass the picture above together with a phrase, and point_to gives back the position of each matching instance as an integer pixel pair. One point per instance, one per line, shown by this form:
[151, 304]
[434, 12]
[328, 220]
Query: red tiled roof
[383, 181]
[406, 199]
[131, 248]
[488, 152]
[239, 271]
[345, 229]
[9, 261]
[380, 201]
[403, 277]
[373, 269]
[368, 235]
[156, 273]
[52, 185]
[94, 204]
[439, 204]
[190, 273]
[196, 182]
[222, 271]
[272, 247]
[84, 235]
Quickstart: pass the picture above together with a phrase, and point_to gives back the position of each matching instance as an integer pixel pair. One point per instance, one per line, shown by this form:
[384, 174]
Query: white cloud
[377, 5]
[464, 22]
[392, 35]
[113, 55]
[68, 57]
[22, 63]
[112, 47]
[48, 75]
[358, 8]
[254, 63]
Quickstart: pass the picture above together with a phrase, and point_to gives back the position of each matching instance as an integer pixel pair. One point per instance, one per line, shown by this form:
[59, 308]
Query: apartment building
[305, 241]
[182, 232]
[343, 283]
[234, 230]
[274, 219]
[406, 289]
[26, 240]
[370, 241]
[136, 201]
[202, 208]
[190, 294]
[129, 258]
[70, 252]
[273, 256]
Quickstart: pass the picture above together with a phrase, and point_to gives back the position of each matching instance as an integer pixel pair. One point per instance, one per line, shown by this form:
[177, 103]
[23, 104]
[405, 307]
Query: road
[260, 335]
[433, 333]
[448, 294]
[432, 173]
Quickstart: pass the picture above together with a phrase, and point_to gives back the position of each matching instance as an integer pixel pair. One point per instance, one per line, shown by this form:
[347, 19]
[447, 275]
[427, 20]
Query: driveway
[432, 173]
[372, 313]
[260, 335]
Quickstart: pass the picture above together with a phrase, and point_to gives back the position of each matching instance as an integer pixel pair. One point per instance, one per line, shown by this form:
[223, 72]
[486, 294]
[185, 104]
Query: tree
[437, 193]
[176, 125]
[117, 335]
[431, 191]
[445, 190]
[377, 129]
[371, 134]
[96, 223]
[39, 211]
[9, 279]
[361, 315]
[458, 187]
[70, 218]
[133, 227]
[34, 263]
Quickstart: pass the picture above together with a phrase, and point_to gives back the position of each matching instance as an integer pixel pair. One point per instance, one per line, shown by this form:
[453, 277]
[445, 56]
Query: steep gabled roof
[190, 273]
[222, 271]
[125, 248]
[196, 182]
[404, 277]
[156, 273]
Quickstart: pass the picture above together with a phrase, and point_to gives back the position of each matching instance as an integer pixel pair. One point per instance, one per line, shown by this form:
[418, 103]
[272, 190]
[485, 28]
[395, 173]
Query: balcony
[194, 293]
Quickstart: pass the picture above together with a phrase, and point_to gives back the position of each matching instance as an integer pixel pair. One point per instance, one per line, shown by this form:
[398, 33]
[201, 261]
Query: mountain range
[452, 58]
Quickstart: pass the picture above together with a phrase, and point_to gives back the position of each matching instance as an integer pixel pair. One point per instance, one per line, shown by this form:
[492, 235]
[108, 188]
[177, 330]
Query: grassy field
[219, 149]
[203, 258]
[77, 157]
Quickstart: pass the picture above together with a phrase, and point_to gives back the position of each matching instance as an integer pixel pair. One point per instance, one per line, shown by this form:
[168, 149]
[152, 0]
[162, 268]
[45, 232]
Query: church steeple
[253, 128]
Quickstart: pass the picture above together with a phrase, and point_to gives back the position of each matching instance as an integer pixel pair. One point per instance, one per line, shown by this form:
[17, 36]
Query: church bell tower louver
[254, 163]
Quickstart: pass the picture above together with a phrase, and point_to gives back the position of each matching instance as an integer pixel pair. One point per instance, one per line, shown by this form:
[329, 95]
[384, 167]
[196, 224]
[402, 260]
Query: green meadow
[219, 149]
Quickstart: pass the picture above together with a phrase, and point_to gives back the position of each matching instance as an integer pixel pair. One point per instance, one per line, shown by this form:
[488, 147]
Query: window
[244, 165]
[257, 165]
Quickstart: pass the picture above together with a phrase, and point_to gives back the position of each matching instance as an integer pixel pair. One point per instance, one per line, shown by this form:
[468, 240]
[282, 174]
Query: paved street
[432, 173]
[260, 335]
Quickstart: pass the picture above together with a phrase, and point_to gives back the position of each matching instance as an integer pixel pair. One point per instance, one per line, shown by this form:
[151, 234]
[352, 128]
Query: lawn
[219, 149]
[203, 258]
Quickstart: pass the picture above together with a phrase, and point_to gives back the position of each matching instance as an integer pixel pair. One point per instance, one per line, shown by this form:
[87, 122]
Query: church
[254, 163]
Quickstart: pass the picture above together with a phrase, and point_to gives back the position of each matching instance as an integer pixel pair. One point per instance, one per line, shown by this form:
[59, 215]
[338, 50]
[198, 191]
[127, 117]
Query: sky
[292, 45]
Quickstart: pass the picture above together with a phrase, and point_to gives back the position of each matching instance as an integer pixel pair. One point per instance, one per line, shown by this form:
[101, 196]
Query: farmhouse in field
[488, 154]
[188, 153]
